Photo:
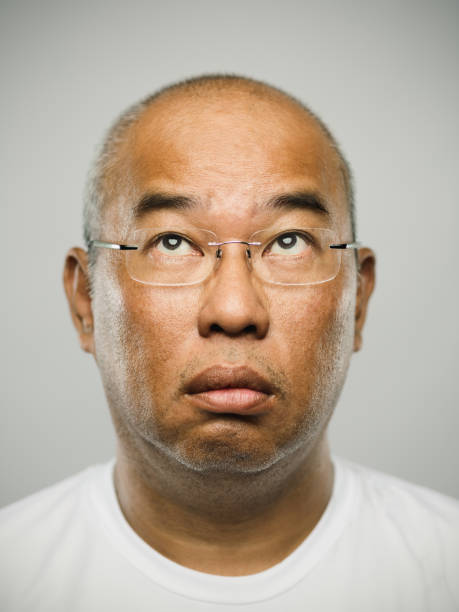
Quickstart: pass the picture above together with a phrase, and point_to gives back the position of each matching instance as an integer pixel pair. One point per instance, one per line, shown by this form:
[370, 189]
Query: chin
[213, 457]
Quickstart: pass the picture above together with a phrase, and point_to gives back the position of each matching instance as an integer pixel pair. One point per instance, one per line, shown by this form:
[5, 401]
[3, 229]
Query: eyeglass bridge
[220, 244]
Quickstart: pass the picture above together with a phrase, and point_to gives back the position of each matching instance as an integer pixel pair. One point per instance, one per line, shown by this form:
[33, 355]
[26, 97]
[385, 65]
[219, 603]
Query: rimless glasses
[178, 256]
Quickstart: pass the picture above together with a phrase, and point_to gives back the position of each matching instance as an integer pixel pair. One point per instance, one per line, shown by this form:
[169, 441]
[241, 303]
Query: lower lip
[236, 401]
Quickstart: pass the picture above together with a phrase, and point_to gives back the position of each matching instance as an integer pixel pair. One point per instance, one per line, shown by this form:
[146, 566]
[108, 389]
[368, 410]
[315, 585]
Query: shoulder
[43, 511]
[46, 537]
[406, 499]
[407, 520]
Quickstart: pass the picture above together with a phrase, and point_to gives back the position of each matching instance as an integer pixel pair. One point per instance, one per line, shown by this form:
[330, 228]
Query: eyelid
[306, 235]
[154, 240]
[157, 237]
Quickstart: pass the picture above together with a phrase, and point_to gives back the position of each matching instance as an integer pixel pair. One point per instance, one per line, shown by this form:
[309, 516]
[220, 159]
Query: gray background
[383, 75]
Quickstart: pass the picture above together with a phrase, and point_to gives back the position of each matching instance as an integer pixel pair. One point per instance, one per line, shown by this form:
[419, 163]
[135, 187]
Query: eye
[174, 244]
[290, 243]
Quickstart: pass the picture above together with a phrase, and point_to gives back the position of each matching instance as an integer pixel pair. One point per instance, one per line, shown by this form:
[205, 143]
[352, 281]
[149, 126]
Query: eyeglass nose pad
[249, 254]
[219, 253]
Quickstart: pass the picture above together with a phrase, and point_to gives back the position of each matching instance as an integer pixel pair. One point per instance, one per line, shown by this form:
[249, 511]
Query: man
[222, 296]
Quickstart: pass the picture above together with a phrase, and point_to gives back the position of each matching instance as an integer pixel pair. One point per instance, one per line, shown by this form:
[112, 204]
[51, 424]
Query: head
[230, 146]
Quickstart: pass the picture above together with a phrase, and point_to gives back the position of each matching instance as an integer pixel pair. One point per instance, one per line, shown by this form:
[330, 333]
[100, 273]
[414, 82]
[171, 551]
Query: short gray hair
[105, 164]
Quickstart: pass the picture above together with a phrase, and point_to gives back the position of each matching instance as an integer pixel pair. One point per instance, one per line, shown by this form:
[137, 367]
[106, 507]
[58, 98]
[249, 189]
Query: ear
[366, 283]
[76, 286]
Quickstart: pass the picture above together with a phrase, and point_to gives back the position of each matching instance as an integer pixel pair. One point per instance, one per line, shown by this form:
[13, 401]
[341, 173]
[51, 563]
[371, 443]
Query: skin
[222, 494]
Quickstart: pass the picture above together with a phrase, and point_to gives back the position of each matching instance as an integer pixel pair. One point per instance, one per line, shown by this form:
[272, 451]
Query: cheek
[315, 332]
[157, 327]
[140, 331]
[160, 321]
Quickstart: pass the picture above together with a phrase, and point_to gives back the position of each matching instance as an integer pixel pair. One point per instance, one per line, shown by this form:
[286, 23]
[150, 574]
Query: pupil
[288, 241]
[172, 242]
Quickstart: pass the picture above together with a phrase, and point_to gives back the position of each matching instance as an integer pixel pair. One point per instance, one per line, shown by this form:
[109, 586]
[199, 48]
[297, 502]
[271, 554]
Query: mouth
[238, 390]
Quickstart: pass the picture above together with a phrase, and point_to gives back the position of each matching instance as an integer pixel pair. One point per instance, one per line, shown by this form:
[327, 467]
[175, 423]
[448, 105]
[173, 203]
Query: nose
[231, 303]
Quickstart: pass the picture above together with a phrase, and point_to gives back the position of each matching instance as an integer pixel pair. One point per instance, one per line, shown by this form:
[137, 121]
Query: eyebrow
[304, 200]
[158, 201]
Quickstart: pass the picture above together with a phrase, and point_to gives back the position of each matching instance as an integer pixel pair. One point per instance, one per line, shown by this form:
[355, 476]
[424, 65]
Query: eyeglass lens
[182, 256]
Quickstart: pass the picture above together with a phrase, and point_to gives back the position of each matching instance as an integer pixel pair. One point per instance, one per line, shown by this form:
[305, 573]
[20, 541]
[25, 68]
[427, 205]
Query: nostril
[215, 328]
[249, 329]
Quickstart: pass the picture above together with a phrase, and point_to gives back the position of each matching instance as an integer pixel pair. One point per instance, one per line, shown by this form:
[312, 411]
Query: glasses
[173, 256]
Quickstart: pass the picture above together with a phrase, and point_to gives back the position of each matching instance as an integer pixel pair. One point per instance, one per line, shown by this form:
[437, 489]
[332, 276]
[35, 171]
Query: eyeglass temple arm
[346, 245]
[112, 245]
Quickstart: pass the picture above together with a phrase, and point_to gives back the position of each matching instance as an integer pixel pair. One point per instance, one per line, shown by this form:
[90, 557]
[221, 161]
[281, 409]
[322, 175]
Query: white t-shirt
[382, 544]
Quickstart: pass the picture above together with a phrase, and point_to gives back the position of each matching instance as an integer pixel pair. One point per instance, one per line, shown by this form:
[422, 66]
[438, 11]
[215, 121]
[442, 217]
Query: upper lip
[223, 377]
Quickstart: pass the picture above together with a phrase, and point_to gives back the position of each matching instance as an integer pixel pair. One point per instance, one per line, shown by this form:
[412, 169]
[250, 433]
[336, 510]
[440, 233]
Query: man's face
[150, 342]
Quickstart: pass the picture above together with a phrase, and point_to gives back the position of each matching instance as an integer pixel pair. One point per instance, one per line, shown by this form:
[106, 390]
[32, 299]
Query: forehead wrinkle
[171, 121]
[167, 165]
[301, 207]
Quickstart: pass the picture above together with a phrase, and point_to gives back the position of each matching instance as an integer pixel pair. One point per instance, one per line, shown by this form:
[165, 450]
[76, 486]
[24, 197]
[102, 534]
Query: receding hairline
[216, 86]
[203, 86]
[105, 179]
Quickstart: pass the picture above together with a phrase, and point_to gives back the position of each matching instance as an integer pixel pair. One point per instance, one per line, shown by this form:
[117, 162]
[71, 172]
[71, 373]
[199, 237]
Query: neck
[225, 524]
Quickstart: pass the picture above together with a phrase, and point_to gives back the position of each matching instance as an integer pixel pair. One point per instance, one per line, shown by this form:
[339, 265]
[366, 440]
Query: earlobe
[365, 286]
[77, 289]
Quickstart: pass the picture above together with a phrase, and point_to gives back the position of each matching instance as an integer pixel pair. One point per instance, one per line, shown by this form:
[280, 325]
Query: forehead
[231, 153]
